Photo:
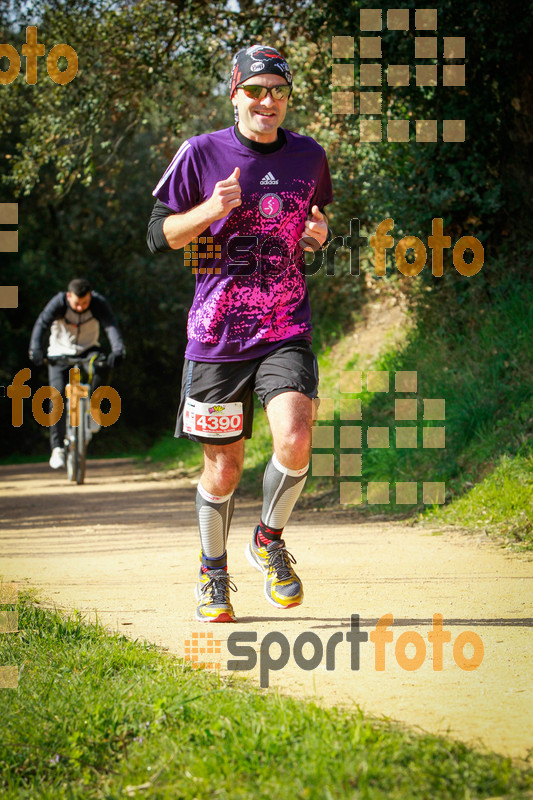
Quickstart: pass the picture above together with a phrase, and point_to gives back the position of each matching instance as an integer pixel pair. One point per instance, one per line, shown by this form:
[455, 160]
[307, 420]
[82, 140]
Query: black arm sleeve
[102, 311]
[55, 309]
[155, 238]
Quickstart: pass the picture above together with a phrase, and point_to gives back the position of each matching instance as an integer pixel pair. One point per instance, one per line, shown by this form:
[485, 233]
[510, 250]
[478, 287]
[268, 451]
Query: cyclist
[73, 319]
[255, 189]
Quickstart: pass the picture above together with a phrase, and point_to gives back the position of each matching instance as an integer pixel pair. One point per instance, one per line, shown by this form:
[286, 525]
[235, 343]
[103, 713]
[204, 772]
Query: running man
[250, 192]
[73, 320]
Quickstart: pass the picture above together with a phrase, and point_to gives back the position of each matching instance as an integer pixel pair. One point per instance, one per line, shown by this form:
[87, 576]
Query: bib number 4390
[216, 420]
[233, 424]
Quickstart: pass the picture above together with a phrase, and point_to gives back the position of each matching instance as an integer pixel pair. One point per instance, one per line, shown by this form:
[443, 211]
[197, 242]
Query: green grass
[502, 503]
[170, 453]
[96, 715]
[16, 458]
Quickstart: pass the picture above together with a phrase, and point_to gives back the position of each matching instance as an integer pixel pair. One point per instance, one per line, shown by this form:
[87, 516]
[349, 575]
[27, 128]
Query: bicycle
[78, 431]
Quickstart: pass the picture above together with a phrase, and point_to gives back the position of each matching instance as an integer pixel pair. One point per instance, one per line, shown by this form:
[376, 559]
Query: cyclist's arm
[103, 313]
[53, 310]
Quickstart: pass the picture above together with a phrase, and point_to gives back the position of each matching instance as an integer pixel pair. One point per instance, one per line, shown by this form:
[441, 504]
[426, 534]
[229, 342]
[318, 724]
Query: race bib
[215, 420]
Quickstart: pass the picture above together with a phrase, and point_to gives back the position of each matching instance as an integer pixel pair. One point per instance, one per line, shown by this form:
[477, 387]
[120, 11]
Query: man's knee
[223, 466]
[296, 438]
[293, 450]
[294, 430]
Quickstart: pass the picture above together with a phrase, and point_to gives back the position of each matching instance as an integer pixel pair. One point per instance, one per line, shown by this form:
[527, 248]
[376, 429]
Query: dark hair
[79, 286]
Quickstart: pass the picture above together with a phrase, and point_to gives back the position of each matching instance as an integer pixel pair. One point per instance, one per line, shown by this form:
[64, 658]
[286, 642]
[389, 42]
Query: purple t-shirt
[254, 296]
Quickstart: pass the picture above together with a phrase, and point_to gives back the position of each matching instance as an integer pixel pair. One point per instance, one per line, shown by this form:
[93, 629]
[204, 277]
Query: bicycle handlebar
[74, 361]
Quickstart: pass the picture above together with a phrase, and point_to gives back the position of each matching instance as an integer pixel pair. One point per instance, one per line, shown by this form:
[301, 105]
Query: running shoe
[283, 587]
[212, 593]
[57, 459]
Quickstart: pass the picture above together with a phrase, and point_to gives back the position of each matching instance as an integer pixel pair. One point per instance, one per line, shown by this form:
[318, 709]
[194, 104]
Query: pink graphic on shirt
[270, 205]
[268, 302]
[253, 312]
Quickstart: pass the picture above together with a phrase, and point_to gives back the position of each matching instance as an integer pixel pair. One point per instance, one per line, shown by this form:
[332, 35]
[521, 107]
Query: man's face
[79, 304]
[259, 120]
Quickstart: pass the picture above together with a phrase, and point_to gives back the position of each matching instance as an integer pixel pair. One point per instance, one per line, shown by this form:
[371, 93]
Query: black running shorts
[216, 405]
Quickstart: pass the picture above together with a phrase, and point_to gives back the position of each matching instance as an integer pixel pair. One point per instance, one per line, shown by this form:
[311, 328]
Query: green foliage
[171, 453]
[501, 504]
[81, 160]
[479, 187]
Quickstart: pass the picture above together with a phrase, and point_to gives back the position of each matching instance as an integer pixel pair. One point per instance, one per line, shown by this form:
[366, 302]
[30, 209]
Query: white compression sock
[281, 489]
[214, 517]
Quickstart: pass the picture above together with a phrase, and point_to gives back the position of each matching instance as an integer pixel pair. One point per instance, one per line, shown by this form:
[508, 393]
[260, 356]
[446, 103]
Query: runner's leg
[214, 509]
[290, 415]
[207, 390]
[214, 499]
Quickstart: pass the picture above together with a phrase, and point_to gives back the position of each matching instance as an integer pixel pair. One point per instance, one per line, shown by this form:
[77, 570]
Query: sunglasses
[281, 92]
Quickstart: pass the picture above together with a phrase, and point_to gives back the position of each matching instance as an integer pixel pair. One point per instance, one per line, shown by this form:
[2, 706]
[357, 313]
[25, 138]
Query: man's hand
[36, 357]
[181, 229]
[315, 231]
[226, 196]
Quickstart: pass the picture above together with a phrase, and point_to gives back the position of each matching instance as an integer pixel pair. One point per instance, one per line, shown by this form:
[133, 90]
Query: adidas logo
[268, 180]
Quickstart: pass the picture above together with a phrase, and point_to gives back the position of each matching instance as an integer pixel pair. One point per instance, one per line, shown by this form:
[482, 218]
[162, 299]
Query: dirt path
[126, 546]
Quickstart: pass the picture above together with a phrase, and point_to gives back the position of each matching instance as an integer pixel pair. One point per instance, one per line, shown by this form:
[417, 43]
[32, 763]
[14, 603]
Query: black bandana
[258, 60]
